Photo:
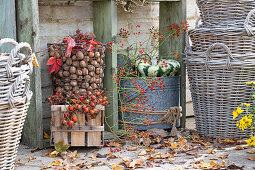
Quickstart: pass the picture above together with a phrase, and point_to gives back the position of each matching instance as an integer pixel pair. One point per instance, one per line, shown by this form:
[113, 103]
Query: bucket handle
[25, 60]
[209, 52]
[247, 27]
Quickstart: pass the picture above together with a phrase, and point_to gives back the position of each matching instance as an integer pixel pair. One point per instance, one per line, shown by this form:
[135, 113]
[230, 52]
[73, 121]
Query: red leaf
[52, 68]
[57, 68]
[51, 61]
[59, 62]
[91, 47]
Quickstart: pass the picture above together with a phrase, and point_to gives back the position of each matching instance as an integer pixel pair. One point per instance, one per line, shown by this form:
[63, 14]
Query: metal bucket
[160, 99]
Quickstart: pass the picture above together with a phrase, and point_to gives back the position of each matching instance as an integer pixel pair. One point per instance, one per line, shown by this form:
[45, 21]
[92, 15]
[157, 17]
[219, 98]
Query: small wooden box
[86, 132]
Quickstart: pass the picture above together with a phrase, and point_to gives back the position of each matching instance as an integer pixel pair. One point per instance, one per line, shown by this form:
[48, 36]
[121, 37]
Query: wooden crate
[86, 132]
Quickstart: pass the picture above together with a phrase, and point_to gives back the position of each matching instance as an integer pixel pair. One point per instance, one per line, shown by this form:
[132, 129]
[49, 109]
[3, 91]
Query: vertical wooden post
[28, 31]
[7, 22]
[175, 12]
[105, 28]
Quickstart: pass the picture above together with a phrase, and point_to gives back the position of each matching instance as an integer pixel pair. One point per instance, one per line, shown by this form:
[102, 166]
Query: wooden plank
[77, 138]
[28, 31]
[105, 28]
[61, 136]
[78, 129]
[175, 12]
[7, 22]
[94, 138]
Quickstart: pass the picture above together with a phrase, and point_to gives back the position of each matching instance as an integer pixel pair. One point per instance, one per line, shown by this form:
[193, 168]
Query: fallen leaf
[57, 163]
[111, 155]
[149, 149]
[93, 157]
[213, 158]
[105, 162]
[45, 154]
[132, 149]
[223, 156]
[149, 164]
[46, 135]
[114, 144]
[117, 167]
[54, 154]
[223, 164]
[251, 151]
[142, 153]
[211, 152]
[31, 158]
[19, 164]
[61, 147]
[204, 165]
[252, 158]
[182, 141]
[171, 159]
[174, 145]
[238, 147]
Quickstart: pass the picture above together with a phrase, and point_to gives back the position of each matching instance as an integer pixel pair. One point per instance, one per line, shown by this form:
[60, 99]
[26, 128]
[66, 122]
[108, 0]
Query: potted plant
[148, 84]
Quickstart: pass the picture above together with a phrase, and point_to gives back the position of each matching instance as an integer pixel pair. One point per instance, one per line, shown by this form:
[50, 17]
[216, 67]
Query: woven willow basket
[218, 87]
[15, 96]
[225, 13]
[240, 40]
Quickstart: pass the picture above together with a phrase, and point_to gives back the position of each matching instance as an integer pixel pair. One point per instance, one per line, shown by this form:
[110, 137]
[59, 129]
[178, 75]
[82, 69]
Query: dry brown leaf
[105, 162]
[223, 156]
[171, 159]
[174, 145]
[117, 167]
[72, 154]
[186, 147]
[182, 141]
[20, 164]
[223, 164]
[238, 147]
[93, 157]
[204, 165]
[251, 151]
[114, 144]
[137, 162]
[111, 155]
[211, 152]
[45, 154]
[31, 158]
[149, 164]
[46, 135]
[132, 149]
[149, 149]
[126, 161]
[54, 154]
[142, 153]
[213, 158]
[252, 158]
[57, 163]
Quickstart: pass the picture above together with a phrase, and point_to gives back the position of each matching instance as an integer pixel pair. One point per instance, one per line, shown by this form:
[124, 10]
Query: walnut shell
[94, 85]
[76, 88]
[91, 68]
[51, 49]
[72, 70]
[60, 73]
[101, 75]
[86, 58]
[65, 67]
[85, 85]
[66, 73]
[92, 80]
[83, 63]
[85, 71]
[99, 70]
[97, 54]
[68, 87]
[80, 78]
[95, 63]
[79, 72]
[64, 59]
[75, 63]
[69, 61]
[52, 54]
[80, 55]
[74, 57]
[73, 76]
[91, 73]
[73, 83]
[87, 78]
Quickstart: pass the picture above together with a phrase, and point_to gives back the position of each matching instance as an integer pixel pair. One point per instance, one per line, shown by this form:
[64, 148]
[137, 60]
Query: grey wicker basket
[240, 40]
[225, 13]
[218, 87]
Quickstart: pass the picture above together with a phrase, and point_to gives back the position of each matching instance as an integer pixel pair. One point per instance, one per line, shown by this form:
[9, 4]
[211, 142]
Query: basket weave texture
[217, 88]
[15, 96]
[226, 13]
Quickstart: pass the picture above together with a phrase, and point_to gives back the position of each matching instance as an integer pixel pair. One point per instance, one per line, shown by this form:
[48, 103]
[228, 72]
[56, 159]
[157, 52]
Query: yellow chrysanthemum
[251, 141]
[252, 128]
[237, 112]
[246, 104]
[245, 122]
[250, 82]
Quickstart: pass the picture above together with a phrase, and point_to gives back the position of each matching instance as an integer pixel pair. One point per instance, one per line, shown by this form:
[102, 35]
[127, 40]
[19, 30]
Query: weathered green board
[7, 22]
[28, 31]
[105, 27]
[175, 12]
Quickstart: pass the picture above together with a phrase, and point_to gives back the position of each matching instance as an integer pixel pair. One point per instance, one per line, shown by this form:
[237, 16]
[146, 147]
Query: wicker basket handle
[218, 45]
[27, 93]
[8, 40]
[187, 44]
[247, 27]
[197, 21]
[25, 60]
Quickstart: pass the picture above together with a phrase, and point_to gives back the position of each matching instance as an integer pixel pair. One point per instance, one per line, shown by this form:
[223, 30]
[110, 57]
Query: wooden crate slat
[82, 128]
[60, 136]
[77, 138]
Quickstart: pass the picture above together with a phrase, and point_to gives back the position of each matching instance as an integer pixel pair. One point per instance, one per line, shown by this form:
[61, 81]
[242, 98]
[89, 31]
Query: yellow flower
[252, 128]
[245, 122]
[237, 124]
[237, 112]
[251, 141]
[246, 104]
[250, 82]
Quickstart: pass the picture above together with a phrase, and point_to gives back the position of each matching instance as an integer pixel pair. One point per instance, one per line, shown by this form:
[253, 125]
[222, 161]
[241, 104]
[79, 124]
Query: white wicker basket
[218, 87]
[15, 96]
[225, 13]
